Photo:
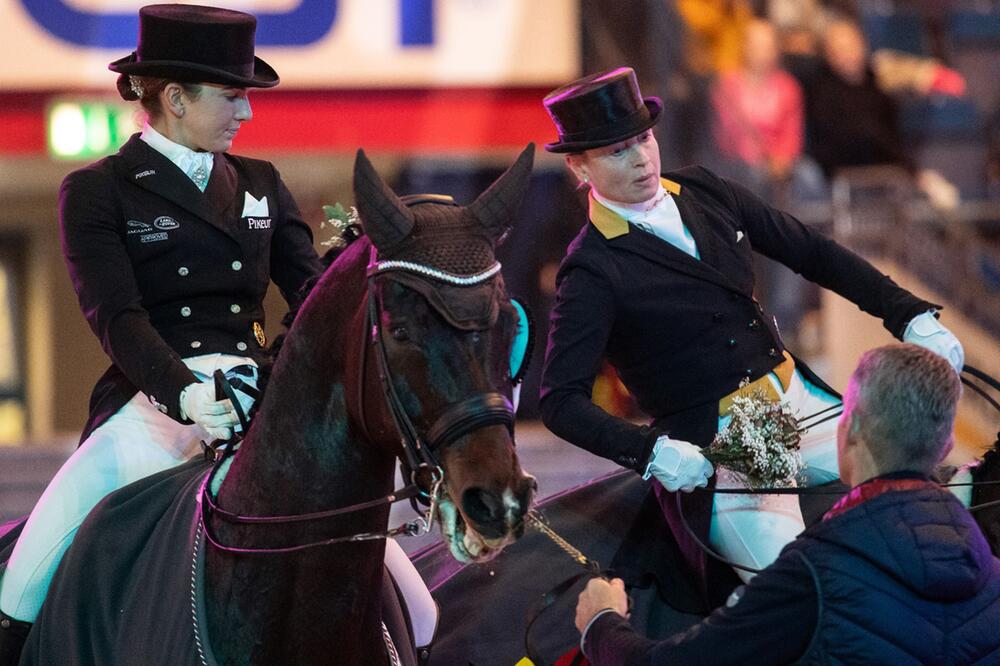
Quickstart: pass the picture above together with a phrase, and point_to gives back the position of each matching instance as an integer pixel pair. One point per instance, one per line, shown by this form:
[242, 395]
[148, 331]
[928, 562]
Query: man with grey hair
[903, 404]
[897, 571]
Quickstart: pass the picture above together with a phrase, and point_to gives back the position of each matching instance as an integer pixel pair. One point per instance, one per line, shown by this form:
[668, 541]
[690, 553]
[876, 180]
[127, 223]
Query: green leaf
[335, 212]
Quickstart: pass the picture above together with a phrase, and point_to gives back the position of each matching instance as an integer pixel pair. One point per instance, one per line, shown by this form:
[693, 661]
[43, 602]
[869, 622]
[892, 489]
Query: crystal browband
[420, 269]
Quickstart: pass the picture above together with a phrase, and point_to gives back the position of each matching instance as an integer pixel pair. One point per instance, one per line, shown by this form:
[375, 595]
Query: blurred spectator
[853, 121]
[758, 114]
[715, 33]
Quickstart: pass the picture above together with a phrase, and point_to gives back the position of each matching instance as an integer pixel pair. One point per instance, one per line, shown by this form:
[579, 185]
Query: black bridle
[461, 418]
[426, 476]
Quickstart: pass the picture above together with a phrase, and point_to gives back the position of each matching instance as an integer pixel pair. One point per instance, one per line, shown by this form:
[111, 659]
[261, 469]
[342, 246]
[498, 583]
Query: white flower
[760, 443]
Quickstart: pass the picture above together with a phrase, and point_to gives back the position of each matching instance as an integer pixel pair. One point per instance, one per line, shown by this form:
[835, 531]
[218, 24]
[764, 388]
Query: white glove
[926, 331]
[678, 465]
[217, 417]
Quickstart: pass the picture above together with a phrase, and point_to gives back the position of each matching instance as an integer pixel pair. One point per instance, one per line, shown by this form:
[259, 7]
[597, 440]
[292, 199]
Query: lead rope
[591, 568]
[535, 519]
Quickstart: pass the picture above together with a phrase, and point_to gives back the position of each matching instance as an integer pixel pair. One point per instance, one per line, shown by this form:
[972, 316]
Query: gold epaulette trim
[611, 224]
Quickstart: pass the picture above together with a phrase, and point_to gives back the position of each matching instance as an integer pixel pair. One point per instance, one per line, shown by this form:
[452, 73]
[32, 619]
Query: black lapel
[657, 249]
[714, 248]
[221, 192]
[153, 172]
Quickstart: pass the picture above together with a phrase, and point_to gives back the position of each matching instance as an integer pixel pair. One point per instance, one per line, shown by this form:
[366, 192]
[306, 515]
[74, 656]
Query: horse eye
[399, 333]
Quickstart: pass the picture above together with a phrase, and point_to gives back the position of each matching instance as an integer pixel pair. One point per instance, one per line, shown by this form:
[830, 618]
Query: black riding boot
[12, 635]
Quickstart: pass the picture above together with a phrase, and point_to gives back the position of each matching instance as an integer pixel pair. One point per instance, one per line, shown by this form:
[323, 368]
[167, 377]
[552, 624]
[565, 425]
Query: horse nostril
[485, 508]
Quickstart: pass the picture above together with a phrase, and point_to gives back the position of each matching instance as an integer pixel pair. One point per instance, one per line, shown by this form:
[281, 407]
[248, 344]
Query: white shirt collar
[184, 158]
[629, 211]
[659, 216]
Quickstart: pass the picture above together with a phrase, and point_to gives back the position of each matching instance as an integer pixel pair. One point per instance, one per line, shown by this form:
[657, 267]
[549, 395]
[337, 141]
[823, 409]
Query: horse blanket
[128, 589]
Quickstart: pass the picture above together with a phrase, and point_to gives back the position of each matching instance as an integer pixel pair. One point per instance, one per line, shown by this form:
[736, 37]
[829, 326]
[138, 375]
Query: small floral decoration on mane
[346, 227]
[760, 444]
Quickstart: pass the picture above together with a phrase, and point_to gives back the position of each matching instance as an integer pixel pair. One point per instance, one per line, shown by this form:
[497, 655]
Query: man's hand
[678, 465]
[599, 595]
[927, 332]
[217, 417]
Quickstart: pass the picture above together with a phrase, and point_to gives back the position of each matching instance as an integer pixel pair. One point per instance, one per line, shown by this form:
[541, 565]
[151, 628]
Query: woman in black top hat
[170, 244]
[660, 282]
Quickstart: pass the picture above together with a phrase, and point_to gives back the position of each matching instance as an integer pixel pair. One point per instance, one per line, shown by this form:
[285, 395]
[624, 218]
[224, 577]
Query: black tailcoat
[682, 332]
[163, 271]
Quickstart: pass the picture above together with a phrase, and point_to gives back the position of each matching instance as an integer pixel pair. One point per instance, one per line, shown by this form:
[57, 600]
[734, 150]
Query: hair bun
[125, 88]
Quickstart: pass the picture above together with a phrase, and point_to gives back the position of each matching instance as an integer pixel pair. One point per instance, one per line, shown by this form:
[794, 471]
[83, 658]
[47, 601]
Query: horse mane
[273, 352]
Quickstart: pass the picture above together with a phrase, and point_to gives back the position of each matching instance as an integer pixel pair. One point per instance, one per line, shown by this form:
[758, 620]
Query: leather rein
[425, 473]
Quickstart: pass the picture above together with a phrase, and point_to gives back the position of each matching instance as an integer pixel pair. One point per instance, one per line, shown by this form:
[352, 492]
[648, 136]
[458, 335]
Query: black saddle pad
[123, 591]
[129, 589]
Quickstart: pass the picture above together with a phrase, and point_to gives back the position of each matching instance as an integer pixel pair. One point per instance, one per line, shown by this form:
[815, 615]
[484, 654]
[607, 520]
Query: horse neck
[302, 436]
[302, 454]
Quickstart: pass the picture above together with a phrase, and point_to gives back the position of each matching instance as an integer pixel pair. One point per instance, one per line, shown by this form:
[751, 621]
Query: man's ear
[578, 167]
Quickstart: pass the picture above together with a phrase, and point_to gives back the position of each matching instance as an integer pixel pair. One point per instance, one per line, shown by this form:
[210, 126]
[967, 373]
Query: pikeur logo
[258, 223]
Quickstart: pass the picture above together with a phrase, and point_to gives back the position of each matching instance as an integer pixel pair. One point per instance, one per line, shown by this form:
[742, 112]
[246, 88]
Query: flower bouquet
[760, 444]
[345, 223]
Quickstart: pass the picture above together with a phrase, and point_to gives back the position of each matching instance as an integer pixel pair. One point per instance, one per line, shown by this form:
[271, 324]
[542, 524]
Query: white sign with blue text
[314, 43]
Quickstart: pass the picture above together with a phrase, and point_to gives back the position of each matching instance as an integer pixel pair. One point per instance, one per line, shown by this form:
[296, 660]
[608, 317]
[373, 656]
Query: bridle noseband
[425, 474]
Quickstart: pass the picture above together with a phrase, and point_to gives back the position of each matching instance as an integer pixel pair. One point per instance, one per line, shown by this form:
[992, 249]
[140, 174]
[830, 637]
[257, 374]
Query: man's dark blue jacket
[903, 578]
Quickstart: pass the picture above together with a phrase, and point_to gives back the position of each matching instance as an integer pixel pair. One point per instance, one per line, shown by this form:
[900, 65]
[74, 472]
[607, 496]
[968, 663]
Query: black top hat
[599, 110]
[195, 44]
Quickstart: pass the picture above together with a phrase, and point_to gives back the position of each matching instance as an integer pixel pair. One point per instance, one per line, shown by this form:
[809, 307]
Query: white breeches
[135, 442]
[752, 529]
[422, 609]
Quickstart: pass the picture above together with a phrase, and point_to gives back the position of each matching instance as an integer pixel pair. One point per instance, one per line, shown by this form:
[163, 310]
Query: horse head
[442, 328]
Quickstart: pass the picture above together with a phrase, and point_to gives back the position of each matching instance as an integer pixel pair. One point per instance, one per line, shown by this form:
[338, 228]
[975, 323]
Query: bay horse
[405, 337]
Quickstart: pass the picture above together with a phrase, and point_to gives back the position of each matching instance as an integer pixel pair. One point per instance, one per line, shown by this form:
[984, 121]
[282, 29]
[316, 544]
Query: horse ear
[496, 206]
[383, 216]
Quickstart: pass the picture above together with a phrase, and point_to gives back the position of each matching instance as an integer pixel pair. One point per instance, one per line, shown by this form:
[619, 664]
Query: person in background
[898, 571]
[171, 245]
[853, 121]
[714, 39]
[660, 282]
[759, 114]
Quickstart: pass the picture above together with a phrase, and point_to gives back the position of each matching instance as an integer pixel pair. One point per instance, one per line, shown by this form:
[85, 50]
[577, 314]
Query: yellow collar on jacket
[611, 224]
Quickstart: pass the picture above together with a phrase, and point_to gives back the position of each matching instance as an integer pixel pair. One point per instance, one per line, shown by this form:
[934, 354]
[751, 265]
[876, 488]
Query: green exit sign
[83, 130]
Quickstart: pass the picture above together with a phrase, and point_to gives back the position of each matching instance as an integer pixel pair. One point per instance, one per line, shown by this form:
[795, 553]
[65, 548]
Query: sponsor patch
[137, 227]
[152, 238]
[164, 222]
[143, 174]
[258, 223]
